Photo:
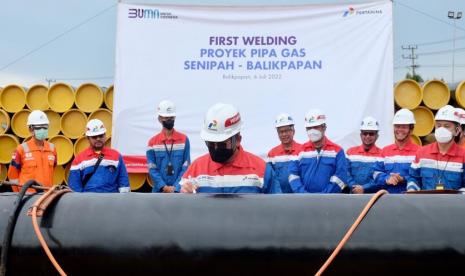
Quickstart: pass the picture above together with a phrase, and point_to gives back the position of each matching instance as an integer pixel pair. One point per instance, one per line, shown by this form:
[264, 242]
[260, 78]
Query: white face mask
[442, 135]
[314, 135]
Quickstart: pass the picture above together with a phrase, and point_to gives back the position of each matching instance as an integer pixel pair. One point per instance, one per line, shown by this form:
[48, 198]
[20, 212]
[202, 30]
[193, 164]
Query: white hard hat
[447, 113]
[403, 117]
[461, 114]
[166, 108]
[37, 117]
[221, 122]
[95, 127]
[315, 117]
[369, 123]
[284, 119]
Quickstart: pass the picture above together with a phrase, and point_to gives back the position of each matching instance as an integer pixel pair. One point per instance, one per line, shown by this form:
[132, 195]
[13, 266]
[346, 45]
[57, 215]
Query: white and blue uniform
[323, 171]
[279, 158]
[431, 168]
[361, 166]
[163, 153]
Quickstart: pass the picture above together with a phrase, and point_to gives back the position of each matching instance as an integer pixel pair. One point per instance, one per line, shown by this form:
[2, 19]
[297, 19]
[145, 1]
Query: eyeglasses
[369, 133]
[39, 127]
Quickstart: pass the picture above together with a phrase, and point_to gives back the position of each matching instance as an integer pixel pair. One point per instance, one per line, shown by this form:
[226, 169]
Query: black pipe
[8, 233]
[148, 234]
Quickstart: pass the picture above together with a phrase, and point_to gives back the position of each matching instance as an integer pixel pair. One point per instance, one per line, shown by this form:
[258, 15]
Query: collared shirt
[109, 177]
[31, 162]
[430, 168]
[279, 159]
[163, 151]
[323, 171]
[246, 173]
[361, 163]
[394, 160]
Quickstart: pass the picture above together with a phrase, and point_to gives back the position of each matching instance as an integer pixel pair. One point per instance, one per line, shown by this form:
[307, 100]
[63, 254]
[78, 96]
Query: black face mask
[220, 155]
[168, 124]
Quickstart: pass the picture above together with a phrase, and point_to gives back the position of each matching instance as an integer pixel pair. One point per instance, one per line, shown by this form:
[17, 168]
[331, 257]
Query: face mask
[220, 155]
[40, 134]
[168, 124]
[442, 135]
[314, 135]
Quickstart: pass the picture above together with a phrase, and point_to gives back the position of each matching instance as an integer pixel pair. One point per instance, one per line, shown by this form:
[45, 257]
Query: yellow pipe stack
[424, 101]
[68, 110]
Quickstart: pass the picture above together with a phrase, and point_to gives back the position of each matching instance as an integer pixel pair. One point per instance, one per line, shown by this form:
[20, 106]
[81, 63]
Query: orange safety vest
[31, 162]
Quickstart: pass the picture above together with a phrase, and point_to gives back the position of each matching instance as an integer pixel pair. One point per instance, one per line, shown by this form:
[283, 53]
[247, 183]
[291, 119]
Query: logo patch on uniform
[205, 180]
[251, 179]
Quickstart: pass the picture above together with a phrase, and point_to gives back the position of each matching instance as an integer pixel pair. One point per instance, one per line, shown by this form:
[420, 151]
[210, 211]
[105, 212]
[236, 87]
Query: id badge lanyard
[169, 169]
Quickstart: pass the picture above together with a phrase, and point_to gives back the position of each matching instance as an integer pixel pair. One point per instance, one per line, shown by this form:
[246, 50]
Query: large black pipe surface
[158, 234]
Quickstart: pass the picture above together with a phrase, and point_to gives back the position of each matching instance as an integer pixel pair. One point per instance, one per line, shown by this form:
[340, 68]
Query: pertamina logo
[213, 125]
[351, 11]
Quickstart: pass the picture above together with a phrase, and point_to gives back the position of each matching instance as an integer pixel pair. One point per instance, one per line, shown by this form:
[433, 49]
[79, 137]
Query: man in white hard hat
[280, 156]
[98, 168]
[322, 165]
[35, 159]
[362, 158]
[391, 171]
[460, 138]
[227, 168]
[168, 154]
[439, 165]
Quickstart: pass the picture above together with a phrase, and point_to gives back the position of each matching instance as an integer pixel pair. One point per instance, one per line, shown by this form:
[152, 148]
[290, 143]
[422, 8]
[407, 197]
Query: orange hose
[351, 230]
[39, 234]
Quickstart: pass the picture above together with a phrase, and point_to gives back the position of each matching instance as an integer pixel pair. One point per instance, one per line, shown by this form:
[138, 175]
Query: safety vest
[30, 162]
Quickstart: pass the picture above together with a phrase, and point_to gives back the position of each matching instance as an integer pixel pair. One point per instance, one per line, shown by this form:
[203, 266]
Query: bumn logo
[144, 13]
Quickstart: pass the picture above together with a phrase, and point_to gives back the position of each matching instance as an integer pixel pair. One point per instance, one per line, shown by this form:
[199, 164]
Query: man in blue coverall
[321, 166]
[392, 170]
[168, 153]
[98, 169]
[362, 158]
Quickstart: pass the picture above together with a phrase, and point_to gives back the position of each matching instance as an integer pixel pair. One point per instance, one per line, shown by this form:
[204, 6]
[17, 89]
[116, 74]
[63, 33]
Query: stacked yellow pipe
[68, 110]
[459, 94]
[424, 100]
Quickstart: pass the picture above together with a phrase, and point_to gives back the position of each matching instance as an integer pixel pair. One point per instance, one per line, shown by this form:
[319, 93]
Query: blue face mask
[41, 134]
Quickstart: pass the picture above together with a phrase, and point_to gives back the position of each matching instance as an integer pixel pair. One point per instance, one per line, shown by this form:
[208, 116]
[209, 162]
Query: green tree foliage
[415, 77]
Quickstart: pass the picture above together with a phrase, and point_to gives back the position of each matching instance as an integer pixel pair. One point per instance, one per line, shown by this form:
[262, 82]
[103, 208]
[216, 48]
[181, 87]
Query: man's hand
[394, 179]
[168, 189]
[189, 188]
[357, 189]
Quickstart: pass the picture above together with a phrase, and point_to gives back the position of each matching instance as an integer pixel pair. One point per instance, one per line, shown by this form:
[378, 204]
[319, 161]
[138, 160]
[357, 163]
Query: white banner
[263, 60]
